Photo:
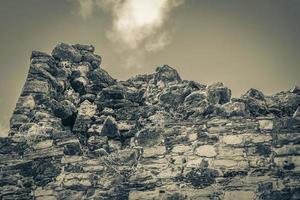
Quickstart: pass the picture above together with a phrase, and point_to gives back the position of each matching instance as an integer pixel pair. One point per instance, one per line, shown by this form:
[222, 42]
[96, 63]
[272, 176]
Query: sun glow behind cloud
[137, 25]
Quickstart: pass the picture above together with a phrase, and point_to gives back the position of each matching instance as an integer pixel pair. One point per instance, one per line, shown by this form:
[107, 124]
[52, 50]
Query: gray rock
[79, 85]
[113, 92]
[256, 94]
[66, 52]
[255, 102]
[283, 104]
[217, 93]
[148, 137]
[110, 128]
[93, 59]
[174, 95]
[41, 57]
[72, 148]
[295, 90]
[166, 73]
[234, 109]
[195, 98]
[297, 113]
[85, 112]
[89, 97]
[99, 79]
[63, 109]
[84, 47]
[35, 86]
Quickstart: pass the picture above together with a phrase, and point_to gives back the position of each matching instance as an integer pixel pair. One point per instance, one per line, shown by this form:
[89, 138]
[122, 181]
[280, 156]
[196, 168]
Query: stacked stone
[77, 133]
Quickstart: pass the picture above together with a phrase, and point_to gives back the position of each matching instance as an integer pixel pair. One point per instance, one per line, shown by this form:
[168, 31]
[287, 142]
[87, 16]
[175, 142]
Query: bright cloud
[136, 24]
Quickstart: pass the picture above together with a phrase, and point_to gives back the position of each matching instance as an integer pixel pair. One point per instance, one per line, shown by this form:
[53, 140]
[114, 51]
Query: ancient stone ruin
[77, 133]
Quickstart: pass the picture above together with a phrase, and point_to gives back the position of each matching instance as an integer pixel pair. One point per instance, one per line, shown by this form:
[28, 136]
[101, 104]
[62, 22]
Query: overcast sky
[243, 43]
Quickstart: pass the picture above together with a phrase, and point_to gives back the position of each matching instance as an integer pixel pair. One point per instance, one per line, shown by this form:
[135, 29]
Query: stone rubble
[77, 133]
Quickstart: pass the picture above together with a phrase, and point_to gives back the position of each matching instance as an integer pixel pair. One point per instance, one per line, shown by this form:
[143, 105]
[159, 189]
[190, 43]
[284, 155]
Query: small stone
[181, 149]
[96, 142]
[79, 85]
[85, 112]
[63, 109]
[101, 152]
[72, 148]
[266, 125]
[148, 137]
[149, 152]
[43, 144]
[233, 139]
[234, 109]
[241, 195]
[297, 113]
[110, 128]
[113, 92]
[206, 151]
[114, 145]
[88, 97]
[26, 102]
[84, 47]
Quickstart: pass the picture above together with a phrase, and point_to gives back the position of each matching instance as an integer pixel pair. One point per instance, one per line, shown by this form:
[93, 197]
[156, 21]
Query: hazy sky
[243, 43]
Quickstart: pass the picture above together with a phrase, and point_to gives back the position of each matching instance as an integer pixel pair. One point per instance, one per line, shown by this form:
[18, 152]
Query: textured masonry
[77, 133]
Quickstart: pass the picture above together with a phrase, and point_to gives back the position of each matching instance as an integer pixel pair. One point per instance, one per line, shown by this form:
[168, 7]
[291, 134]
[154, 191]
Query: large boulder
[91, 58]
[166, 73]
[195, 98]
[41, 57]
[283, 103]
[255, 102]
[217, 93]
[175, 94]
[66, 52]
[99, 79]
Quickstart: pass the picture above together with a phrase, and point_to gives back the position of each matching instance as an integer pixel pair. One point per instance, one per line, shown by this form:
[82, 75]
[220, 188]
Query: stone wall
[77, 133]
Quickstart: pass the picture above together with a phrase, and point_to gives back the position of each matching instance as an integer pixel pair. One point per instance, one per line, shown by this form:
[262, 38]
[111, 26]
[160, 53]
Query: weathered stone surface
[297, 113]
[206, 151]
[36, 86]
[77, 133]
[218, 94]
[63, 109]
[79, 85]
[84, 116]
[166, 74]
[234, 109]
[110, 128]
[66, 52]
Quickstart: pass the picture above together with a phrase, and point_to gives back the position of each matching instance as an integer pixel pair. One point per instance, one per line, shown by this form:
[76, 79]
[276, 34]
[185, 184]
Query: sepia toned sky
[242, 43]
